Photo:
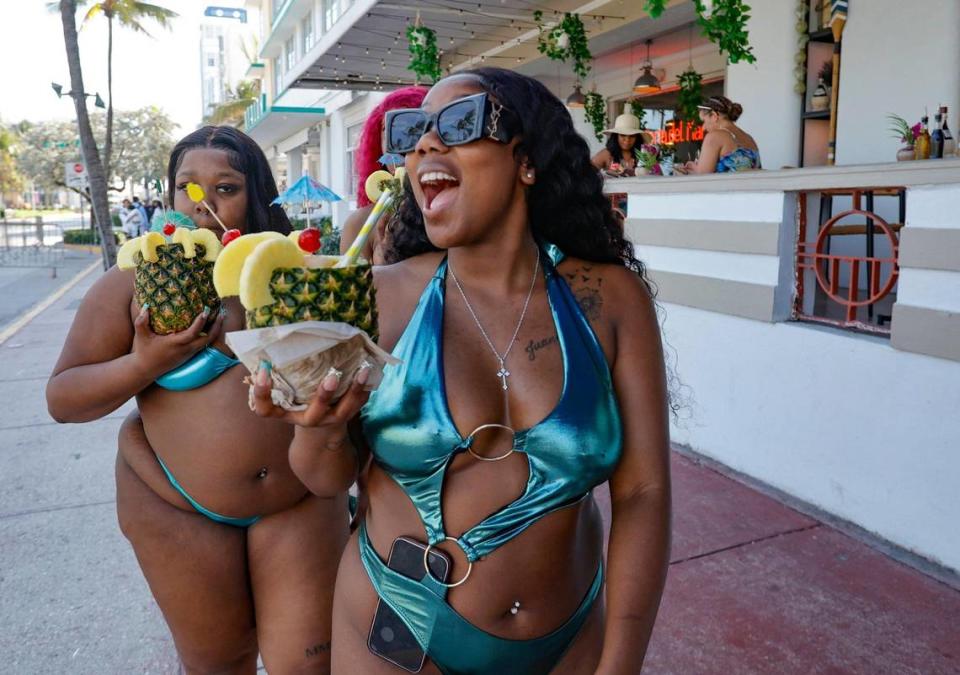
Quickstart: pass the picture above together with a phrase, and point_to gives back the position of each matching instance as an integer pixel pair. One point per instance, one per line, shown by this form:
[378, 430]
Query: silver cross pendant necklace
[503, 373]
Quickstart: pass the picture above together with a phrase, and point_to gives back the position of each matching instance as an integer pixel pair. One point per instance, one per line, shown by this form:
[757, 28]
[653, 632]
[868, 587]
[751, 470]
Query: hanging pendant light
[576, 99]
[647, 83]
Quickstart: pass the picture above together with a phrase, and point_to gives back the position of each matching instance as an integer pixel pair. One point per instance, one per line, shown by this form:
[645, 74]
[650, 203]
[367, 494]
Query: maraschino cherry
[309, 240]
[169, 229]
[229, 236]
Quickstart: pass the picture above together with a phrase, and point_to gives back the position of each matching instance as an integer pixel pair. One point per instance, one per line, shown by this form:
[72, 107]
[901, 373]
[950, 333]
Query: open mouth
[439, 189]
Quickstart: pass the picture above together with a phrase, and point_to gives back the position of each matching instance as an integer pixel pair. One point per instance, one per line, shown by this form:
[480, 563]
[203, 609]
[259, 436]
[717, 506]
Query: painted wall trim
[737, 298]
[926, 331]
[708, 235]
[940, 172]
[932, 248]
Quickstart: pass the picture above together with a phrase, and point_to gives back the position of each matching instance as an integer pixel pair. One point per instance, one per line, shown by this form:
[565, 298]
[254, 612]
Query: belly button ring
[262, 473]
[515, 608]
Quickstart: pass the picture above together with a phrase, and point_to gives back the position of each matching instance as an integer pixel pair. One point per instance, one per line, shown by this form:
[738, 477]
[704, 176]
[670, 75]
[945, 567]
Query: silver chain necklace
[503, 373]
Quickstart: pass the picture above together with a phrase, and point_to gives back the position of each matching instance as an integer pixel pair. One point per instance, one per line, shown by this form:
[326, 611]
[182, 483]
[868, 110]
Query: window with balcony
[290, 53]
[333, 10]
[353, 140]
[306, 31]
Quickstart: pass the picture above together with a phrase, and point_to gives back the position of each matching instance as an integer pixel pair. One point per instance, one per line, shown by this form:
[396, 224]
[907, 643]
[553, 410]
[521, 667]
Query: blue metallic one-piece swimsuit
[410, 429]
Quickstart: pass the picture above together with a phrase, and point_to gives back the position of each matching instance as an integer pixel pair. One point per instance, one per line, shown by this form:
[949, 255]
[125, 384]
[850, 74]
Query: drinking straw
[384, 201]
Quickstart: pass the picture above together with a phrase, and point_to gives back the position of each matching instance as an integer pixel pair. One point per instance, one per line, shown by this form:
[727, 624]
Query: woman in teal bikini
[239, 554]
[532, 372]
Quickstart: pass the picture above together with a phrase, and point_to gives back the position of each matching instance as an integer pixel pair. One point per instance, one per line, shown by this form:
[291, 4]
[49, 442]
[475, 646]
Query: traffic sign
[75, 175]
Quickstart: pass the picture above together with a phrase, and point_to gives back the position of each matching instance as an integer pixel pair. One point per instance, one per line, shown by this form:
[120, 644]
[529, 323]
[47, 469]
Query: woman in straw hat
[619, 157]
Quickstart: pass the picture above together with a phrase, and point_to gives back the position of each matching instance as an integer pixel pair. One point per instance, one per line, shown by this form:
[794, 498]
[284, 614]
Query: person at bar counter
[619, 157]
[370, 156]
[726, 147]
[481, 550]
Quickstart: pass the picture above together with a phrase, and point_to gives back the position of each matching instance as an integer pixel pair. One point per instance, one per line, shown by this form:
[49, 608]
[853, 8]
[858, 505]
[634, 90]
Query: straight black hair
[246, 157]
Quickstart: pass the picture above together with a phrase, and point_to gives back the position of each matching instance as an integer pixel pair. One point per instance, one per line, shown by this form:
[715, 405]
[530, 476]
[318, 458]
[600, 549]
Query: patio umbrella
[304, 191]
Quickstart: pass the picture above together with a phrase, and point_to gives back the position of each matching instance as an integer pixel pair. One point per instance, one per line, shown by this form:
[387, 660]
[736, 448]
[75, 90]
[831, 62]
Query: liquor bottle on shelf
[936, 138]
[921, 148]
[949, 143]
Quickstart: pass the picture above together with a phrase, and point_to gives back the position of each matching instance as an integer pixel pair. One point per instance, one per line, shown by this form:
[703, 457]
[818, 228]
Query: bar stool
[869, 227]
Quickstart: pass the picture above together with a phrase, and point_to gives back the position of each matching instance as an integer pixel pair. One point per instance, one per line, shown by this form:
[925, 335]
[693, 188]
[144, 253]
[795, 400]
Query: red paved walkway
[756, 587]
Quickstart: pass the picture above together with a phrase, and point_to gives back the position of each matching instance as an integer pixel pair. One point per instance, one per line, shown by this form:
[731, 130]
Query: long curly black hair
[246, 157]
[565, 206]
[613, 147]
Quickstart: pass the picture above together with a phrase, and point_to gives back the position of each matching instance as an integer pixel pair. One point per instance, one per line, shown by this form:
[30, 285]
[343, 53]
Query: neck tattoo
[503, 373]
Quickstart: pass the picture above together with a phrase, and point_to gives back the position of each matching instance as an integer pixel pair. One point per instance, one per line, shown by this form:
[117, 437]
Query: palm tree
[129, 13]
[88, 145]
[231, 111]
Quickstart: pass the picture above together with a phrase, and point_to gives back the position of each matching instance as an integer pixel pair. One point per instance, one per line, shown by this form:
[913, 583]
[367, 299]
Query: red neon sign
[677, 132]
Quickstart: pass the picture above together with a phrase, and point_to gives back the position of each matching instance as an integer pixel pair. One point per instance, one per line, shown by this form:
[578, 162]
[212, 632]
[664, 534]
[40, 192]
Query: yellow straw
[350, 257]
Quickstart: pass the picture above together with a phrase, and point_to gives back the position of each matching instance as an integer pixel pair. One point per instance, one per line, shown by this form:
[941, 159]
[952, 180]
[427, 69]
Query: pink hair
[371, 149]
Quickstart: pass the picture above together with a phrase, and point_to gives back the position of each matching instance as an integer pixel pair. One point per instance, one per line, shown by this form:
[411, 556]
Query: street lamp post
[58, 90]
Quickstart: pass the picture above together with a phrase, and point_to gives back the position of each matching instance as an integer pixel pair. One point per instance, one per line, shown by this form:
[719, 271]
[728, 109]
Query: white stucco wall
[843, 421]
[771, 109]
[897, 58]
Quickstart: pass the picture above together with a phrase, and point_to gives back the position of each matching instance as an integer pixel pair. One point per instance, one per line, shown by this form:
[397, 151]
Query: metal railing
[31, 243]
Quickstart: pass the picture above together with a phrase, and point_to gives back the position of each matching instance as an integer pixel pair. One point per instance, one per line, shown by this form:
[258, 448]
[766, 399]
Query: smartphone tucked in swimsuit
[202, 369]
[411, 432]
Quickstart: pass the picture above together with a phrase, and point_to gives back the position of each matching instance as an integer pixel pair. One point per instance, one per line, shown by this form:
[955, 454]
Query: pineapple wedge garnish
[259, 266]
[149, 244]
[183, 237]
[229, 265]
[211, 245]
[126, 256]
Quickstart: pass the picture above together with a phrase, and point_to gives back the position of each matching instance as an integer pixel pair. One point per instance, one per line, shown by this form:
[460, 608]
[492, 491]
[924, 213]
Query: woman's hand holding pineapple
[157, 354]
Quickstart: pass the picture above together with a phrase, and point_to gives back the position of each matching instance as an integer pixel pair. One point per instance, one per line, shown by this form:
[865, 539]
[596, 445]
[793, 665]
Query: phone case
[389, 637]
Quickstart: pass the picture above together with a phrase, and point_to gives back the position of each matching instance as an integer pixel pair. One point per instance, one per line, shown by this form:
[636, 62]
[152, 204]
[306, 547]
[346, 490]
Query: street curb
[38, 308]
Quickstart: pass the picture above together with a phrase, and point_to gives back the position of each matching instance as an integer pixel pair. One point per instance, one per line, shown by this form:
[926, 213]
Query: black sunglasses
[462, 121]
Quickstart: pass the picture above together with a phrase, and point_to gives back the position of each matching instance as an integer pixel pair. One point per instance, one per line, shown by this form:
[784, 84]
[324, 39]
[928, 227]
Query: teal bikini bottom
[216, 517]
[455, 645]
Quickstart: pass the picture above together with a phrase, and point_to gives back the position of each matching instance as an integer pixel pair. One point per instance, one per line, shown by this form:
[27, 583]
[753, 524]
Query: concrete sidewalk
[755, 587]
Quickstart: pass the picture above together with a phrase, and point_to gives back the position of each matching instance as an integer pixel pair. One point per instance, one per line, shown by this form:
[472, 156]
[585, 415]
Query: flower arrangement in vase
[906, 134]
[648, 160]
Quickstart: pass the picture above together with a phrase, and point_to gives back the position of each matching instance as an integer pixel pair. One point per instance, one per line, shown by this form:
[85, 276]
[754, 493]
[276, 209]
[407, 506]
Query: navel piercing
[262, 473]
[529, 174]
[515, 608]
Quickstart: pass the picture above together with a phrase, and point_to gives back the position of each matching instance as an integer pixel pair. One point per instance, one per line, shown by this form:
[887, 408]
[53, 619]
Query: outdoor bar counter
[777, 359]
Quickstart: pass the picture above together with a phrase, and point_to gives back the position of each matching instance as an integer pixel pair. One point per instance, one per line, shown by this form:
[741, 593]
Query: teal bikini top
[411, 431]
[203, 368]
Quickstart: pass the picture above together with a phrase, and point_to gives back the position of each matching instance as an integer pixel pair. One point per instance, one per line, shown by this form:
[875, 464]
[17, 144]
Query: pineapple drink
[305, 313]
[173, 274]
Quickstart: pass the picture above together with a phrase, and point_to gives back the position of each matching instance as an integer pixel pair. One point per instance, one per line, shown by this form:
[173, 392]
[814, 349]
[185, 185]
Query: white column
[294, 165]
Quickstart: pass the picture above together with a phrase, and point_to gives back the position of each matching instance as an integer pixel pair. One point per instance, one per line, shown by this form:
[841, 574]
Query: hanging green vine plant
[726, 26]
[566, 40]
[691, 94]
[596, 111]
[638, 111]
[723, 22]
[800, 59]
[424, 55]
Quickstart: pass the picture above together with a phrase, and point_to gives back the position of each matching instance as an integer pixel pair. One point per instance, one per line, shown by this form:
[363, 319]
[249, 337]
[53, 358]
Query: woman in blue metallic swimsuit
[239, 554]
[531, 373]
